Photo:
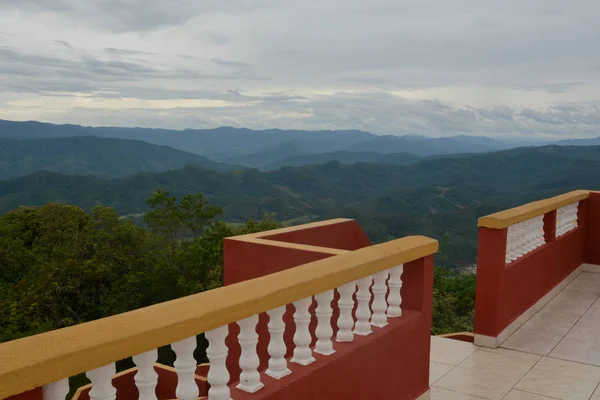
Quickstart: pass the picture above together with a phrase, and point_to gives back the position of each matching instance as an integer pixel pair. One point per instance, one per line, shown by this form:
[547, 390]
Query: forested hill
[88, 155]
[432, 197]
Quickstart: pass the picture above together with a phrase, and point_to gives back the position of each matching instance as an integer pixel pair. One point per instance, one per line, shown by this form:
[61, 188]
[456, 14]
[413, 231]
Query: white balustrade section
[185, 366]
[363, 311]
[56, 391]
[146, 377]
[345, 320]
[249, 361]
[277, 349]
[302, 337]
[379, 318]
[218, 375]
[395, 296]
[324, 332]
[102, 387]
[383, 289]
[566, 219]
[524, 237]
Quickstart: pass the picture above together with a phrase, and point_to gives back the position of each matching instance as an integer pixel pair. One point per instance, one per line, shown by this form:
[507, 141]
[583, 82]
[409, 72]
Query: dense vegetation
[89, 155]
[62, 265]
[432, 197]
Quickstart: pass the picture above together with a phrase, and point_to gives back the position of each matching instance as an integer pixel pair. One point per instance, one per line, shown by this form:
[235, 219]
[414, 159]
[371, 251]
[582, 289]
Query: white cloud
[417, 66]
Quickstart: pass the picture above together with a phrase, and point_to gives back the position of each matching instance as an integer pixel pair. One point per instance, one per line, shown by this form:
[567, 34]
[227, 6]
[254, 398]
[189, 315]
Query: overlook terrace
[316, 311]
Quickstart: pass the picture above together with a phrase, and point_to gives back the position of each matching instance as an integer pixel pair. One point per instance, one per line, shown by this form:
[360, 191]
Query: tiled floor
[554, 355]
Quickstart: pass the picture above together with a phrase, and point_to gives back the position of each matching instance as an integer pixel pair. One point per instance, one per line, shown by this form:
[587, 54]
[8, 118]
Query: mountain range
[431, 197]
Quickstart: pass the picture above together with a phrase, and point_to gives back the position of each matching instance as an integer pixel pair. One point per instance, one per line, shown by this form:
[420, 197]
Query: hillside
[237, 146]
[432, 197]
[345, 157]
[87, 155]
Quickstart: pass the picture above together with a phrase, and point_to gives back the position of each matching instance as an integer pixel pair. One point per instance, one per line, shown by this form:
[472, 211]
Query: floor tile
[596, 395]
[569, 369]
[520, 395]
[450, 351]
[511, 364]
[530, 340]
[437, 370]
[586, 282]
[588, 328]
[556, 386]
[477, 383]
[578, 350]
[552, 323]
[443, 394]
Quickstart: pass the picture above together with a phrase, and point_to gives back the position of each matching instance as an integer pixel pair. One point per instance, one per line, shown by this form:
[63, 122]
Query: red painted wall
[346, 235]
[391, 363]
[504, 292]
[397, 355]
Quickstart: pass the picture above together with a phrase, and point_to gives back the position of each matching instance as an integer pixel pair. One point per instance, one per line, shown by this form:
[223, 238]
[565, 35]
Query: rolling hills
[431, 197]
[88, 155]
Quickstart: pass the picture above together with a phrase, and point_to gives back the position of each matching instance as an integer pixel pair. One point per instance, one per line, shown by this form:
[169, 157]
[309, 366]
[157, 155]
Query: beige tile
[437, 370]
[443, 394]
[569, 369]
[578, 350]
[449, 351]
[588, 328]
[531, 341]
[572, 299]
[556, 386]
[520, 395]
[552, 323]
[477, 383]
[596, 395]
[586, 282]
[511, 364]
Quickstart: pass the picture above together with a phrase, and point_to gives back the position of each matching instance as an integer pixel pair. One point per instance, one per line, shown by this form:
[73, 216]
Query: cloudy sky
[509, 68]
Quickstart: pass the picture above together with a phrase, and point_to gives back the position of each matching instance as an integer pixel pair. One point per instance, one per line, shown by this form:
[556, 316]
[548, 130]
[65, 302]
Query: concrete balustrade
[526, 255]
[266, 363]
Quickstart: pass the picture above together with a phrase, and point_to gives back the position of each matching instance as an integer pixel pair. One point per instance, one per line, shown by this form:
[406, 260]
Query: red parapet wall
[505, 291]
[391, 363]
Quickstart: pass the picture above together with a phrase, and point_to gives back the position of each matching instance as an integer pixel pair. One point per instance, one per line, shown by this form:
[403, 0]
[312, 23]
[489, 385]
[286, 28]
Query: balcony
[318, 312]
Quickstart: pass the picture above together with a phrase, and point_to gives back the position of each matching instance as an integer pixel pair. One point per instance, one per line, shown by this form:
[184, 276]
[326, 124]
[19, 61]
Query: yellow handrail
[45, 358]
[506, 218]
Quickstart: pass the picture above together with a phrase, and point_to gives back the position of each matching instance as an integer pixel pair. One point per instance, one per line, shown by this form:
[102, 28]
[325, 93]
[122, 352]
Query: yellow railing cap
[41, 359]
[506, 218]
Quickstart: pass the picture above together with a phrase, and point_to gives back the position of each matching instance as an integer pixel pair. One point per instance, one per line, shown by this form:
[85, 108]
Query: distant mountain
[269, 156]
[431, 197]
[423, 146]
[345, 157]
[579, 142]
[87, 155]
[218, 144]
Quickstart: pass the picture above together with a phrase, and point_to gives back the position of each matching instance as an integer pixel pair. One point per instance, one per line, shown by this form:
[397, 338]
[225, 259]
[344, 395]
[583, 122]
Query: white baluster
[277, 349]
[379, 319]
[395, 297]
[345, 320]
[559, 221]
[510, 244]
[519, 236]
[57, 390]
[324, 332]
[146, 377]
[576, 217]
[541, 233]
[531, 235]
[218, 375]
[102, 387]
[249, 361]
[185, 367]
[515, 233]
[363, 311]
[302, 337]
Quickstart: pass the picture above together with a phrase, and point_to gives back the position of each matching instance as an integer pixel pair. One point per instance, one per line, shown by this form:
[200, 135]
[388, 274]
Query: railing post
[550, 226]
[491, 262]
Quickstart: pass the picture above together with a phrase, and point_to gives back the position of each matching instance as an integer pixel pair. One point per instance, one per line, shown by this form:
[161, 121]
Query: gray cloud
[418, 66]
[228, 63]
